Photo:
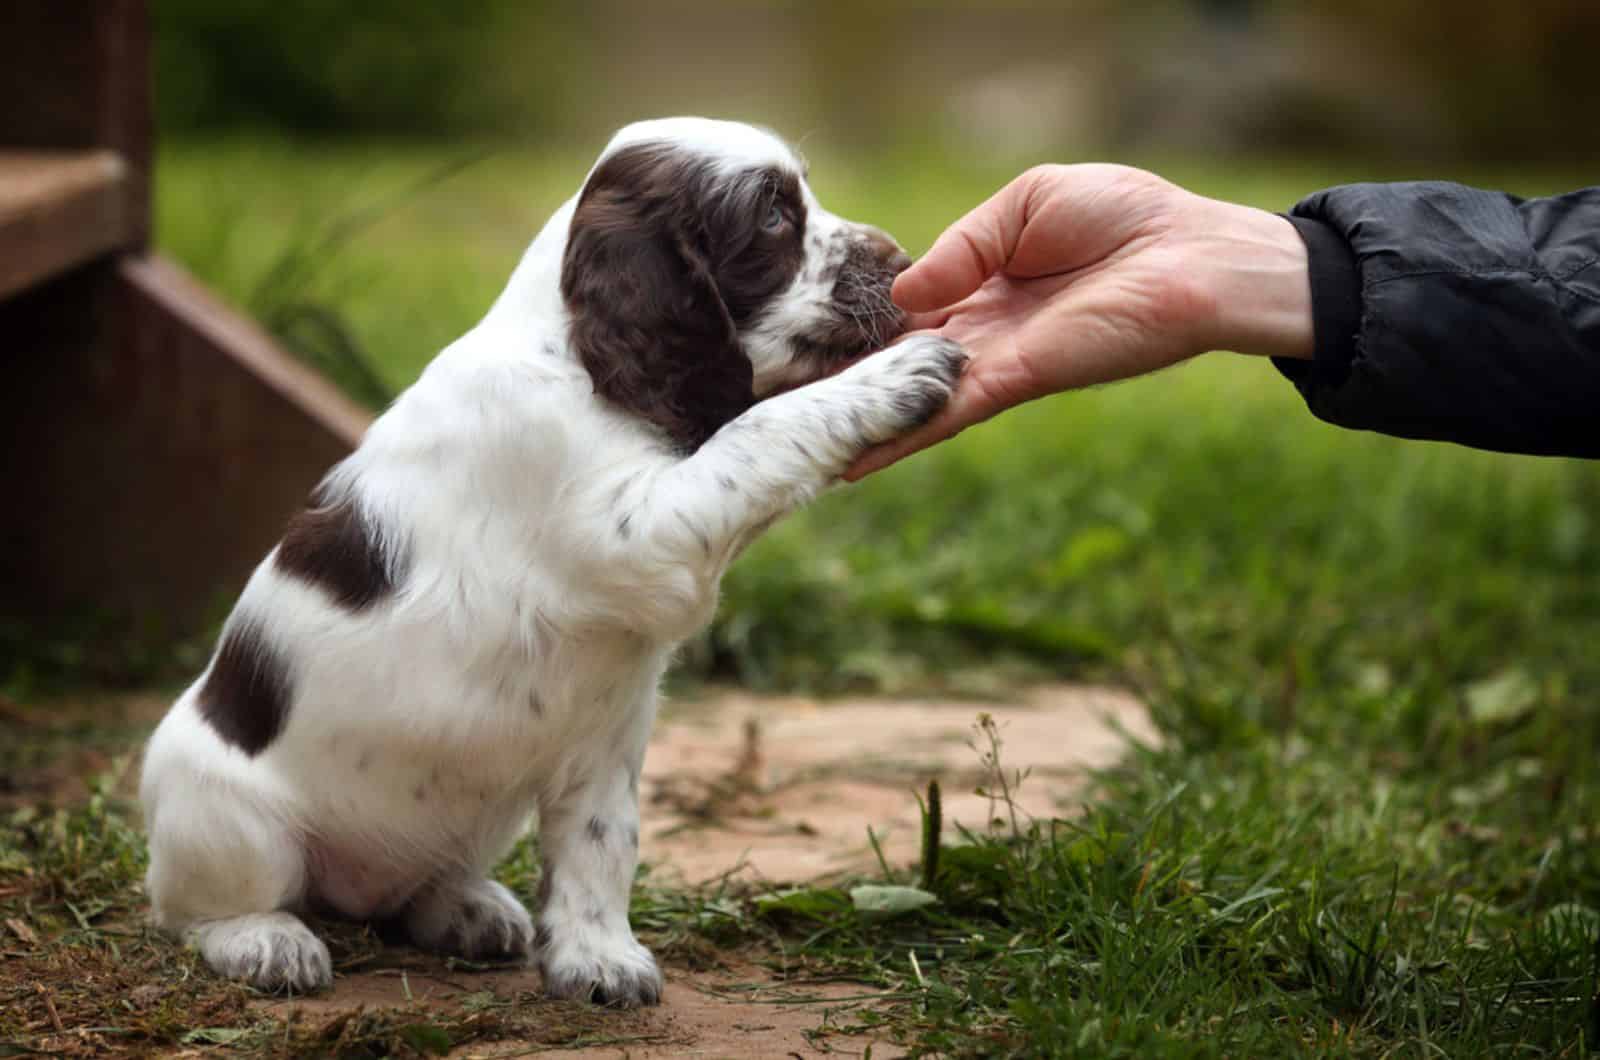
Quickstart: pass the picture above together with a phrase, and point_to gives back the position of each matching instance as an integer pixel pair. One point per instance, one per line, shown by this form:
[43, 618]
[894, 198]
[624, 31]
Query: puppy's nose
[883, 247]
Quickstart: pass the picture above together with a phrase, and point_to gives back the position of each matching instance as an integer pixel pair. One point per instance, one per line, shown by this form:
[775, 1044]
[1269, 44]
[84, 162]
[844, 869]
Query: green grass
[1371, 828]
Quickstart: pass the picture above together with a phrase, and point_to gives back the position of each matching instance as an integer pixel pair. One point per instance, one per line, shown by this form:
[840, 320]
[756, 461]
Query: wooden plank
[58, 210]
[124, 103]
[210, 322]
[153, 447]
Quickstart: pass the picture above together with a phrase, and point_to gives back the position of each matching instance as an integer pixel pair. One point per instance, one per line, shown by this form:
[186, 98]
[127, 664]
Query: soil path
[784, 790]
[738, 1011]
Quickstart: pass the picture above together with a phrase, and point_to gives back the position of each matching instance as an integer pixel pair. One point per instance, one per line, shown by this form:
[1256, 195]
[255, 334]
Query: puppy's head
[701, 274]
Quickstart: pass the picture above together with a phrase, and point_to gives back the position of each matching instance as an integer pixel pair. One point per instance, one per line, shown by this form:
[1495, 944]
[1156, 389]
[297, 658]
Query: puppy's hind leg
[274, 952]
[222, 874]
[477, 919]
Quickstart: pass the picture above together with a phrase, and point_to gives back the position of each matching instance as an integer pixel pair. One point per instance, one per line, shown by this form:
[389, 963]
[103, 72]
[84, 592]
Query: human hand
[1076, 275]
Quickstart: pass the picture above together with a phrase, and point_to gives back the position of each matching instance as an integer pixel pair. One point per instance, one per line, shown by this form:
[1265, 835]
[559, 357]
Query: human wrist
[1255, 270]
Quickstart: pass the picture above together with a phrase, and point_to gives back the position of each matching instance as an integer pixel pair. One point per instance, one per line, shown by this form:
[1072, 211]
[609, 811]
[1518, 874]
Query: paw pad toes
[632, 981]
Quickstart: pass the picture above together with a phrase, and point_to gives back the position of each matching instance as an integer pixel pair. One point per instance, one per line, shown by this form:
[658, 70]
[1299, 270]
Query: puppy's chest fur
[454, 644]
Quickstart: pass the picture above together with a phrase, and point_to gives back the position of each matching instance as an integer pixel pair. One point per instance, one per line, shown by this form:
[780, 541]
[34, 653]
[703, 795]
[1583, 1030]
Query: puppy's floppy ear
[647, 321]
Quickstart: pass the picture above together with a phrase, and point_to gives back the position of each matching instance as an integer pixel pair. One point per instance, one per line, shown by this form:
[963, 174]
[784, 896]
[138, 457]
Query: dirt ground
[757, 789]
[738, 1011]
[784, 789]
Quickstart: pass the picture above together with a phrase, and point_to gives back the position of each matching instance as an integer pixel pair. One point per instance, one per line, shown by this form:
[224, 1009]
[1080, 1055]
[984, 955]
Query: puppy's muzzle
[862, 290]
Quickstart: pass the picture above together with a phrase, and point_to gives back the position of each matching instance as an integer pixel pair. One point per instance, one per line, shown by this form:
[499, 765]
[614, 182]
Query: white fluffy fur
[555, 553]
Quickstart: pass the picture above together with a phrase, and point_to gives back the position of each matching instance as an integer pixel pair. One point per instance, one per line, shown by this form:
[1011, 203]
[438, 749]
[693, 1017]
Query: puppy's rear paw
[618, 973]
[274, 952]
[480, 920]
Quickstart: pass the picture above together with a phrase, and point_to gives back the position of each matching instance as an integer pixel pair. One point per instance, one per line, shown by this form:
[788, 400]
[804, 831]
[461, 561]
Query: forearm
[1256, 282]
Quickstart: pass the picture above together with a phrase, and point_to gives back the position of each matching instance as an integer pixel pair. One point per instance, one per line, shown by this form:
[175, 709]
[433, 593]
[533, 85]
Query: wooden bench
[153, 441]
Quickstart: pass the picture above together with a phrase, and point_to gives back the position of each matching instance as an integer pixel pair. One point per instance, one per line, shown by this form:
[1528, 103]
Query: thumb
[968, 253]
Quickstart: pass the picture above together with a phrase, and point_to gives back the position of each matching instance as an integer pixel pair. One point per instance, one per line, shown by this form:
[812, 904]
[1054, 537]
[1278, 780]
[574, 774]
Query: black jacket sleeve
[1450, 313]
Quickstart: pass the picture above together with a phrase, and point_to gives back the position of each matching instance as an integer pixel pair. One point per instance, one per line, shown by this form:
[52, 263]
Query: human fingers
[968, 252]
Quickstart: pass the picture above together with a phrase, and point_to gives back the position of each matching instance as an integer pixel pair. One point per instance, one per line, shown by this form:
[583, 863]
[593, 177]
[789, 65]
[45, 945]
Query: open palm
[1071, 276]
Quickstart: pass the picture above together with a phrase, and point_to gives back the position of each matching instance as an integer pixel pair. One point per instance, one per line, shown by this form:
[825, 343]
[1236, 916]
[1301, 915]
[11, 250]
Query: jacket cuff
[1335, 307]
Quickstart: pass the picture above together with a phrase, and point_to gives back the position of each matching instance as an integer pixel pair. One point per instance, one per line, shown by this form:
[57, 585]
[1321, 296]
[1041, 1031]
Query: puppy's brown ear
[647, 320]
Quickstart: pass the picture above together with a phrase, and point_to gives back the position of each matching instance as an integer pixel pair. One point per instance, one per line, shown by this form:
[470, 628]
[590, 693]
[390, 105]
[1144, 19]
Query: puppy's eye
[775, 219]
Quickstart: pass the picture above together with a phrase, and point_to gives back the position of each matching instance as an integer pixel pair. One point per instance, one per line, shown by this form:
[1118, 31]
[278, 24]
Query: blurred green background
[363, 176]
[1469, 79]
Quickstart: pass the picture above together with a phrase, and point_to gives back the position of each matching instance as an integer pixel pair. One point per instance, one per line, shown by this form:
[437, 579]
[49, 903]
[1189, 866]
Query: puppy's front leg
[785, 450]
[589, 836]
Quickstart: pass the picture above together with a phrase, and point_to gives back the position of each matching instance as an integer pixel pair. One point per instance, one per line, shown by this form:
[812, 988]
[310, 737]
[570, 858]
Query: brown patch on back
[245, 697]
[331, 547]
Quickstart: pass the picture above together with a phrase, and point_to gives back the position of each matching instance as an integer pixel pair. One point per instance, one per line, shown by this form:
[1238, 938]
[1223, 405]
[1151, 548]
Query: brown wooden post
[152, 441]
[76, 74]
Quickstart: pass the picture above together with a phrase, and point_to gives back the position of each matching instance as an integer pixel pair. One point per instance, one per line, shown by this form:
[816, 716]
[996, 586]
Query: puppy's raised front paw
[274, 952]
[919, 375]
[478, 919]
[615, 972]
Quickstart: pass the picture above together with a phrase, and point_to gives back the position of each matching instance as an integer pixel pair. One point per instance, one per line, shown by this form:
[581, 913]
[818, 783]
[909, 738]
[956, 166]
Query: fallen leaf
[22, 931]
[214, 1035]
[426, 1038]
[806, 902]
[1504, 697]
[877, 900]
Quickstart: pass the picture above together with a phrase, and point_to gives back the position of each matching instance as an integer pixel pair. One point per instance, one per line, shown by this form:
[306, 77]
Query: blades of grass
[932, 828]
[318, 333]
[290, 271]
[877, 852]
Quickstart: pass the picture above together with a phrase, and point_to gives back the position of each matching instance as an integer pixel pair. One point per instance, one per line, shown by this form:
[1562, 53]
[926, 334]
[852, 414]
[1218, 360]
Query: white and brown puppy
[469, 623]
